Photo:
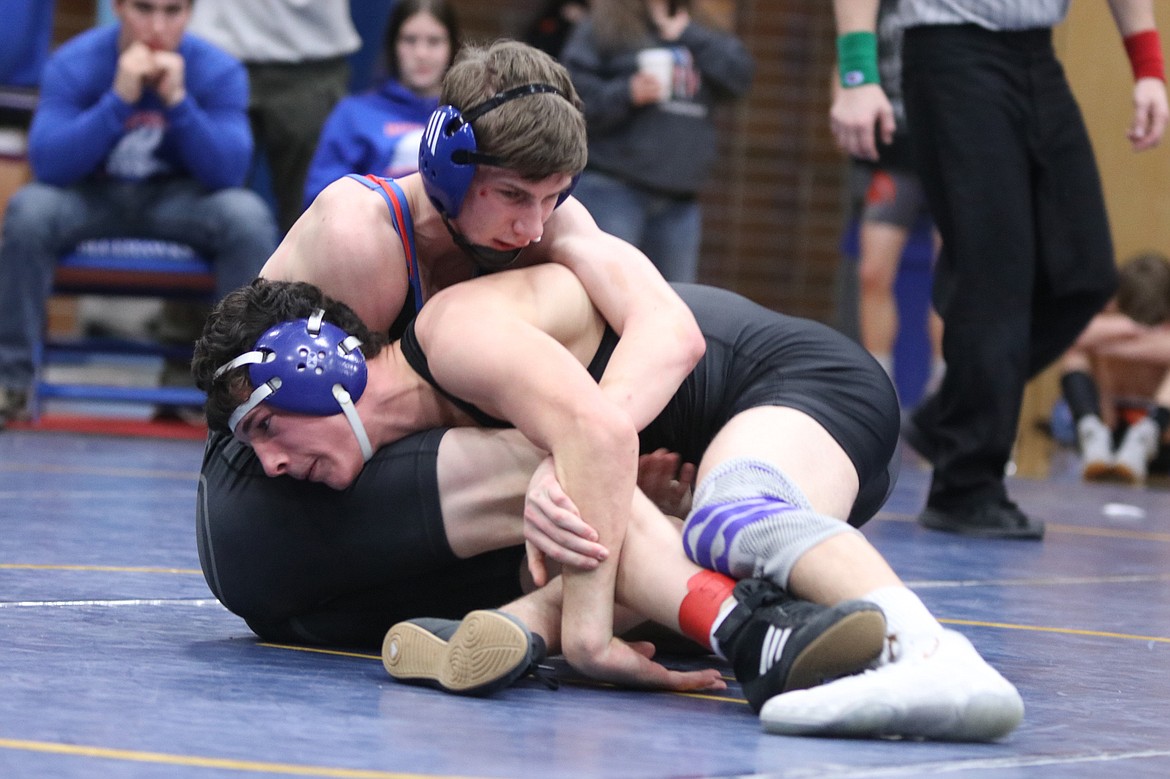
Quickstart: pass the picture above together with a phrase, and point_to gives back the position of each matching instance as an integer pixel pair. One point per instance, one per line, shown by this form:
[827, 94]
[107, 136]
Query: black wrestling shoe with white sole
[481, 654]
[776, 643]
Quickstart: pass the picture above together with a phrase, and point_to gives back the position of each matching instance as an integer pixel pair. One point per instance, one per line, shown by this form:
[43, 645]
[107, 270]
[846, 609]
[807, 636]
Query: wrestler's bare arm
[1149, 345]
[490, 344]
[661, 342]
[346, 245]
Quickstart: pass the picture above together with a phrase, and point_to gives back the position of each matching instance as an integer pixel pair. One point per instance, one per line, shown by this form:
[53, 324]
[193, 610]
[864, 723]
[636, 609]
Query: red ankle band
[706, 592]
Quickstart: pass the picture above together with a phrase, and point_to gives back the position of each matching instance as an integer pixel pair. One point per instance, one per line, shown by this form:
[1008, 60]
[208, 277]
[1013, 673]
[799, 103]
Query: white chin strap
[355, 422]
[258, 396]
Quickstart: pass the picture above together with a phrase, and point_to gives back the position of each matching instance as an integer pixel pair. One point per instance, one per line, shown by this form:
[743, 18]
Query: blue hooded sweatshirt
[375, 132]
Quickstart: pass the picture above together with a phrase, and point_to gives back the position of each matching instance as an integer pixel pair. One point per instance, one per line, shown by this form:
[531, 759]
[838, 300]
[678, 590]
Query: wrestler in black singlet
[301, 562]
[757, 357]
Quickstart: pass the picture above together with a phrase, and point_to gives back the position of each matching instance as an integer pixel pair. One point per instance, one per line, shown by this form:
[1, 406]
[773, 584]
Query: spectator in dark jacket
[652, 136]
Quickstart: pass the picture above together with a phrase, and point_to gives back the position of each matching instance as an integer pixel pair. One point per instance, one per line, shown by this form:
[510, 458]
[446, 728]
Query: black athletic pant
[1026, 259]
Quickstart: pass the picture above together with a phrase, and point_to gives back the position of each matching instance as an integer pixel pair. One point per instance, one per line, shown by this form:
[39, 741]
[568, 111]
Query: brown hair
[241, 318]
[1144, 292]
[537, 135]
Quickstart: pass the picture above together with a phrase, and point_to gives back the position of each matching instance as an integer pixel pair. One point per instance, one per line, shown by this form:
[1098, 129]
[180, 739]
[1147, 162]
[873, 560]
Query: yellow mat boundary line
[1063, 631]
[97, 568]
[195, 761]
[574, 682]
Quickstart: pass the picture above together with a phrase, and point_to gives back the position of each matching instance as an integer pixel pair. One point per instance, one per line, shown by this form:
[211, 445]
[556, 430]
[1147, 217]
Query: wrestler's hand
[553, 526]
[1150, 114]
[667, 481]
[630, 665]
[857, 114]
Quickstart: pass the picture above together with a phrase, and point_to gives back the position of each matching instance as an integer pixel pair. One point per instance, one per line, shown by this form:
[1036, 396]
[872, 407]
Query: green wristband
[857, 60]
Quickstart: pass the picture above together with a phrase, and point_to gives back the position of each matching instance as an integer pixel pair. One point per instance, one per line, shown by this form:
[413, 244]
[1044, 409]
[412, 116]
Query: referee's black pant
[1026, 258]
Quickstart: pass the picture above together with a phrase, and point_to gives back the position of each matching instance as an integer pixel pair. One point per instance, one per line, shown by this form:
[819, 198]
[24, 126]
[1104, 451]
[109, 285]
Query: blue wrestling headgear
[307, 366]
[448, 153]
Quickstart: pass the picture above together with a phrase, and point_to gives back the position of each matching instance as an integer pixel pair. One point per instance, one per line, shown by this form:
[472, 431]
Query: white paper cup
[660, 64]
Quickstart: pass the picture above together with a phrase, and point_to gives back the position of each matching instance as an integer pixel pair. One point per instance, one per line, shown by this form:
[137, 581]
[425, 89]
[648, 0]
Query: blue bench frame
[127, 267]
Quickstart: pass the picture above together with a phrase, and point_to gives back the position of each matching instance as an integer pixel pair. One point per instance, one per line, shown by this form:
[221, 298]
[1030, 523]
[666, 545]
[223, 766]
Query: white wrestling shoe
[1138, 447]
[949, 694]
[1095, 441]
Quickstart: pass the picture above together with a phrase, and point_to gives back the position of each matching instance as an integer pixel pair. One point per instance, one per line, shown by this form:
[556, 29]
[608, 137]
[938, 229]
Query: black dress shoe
[985, 520]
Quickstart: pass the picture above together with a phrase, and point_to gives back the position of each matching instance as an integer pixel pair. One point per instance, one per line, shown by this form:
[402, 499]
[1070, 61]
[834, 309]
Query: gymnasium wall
[773, 214]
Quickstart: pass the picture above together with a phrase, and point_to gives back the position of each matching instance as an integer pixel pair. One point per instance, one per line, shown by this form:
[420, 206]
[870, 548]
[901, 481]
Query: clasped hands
[141, 68]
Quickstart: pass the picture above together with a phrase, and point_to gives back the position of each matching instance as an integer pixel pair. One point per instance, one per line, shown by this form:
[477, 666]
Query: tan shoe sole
[849, 646]
[1099, 471]
[485, 650]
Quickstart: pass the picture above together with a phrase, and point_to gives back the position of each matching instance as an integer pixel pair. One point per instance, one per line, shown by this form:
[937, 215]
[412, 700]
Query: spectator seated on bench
[140, 130]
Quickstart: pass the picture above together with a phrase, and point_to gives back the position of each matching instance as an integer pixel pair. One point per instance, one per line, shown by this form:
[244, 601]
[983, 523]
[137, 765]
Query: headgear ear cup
[309, 358]
[448, 138]
[448, 153]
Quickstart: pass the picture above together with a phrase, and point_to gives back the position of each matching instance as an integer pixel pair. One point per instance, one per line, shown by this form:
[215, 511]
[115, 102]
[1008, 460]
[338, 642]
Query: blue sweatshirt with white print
[82, 129]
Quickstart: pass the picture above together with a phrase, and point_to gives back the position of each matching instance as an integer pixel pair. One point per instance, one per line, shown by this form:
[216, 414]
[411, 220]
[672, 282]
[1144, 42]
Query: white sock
[908, 621]
[724, 610]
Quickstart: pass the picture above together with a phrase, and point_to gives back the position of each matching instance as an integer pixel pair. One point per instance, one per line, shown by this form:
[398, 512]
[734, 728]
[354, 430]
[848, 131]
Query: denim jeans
[234, 228]
[666, 229]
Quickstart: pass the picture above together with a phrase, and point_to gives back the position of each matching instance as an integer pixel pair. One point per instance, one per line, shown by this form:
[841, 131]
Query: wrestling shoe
[480, 655]
[1138, 447]
[777, 643]
[1095, 441]
[947, 693]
